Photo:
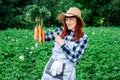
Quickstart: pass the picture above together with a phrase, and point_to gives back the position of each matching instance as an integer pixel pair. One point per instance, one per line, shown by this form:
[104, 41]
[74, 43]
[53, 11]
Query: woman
[69, 44]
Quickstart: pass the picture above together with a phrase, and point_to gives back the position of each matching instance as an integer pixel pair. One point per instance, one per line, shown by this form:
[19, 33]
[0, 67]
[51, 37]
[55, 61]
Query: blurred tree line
[22, 13]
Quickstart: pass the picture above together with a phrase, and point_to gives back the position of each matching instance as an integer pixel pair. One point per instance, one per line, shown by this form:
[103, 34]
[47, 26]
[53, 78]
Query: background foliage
[14, 13]
[22, 58]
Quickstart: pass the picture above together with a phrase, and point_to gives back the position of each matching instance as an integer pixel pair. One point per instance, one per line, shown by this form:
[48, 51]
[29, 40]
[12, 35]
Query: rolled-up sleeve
[74, 51]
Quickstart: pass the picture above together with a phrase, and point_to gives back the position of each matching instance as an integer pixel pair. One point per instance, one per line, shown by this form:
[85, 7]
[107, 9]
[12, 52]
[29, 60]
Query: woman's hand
[58, 39]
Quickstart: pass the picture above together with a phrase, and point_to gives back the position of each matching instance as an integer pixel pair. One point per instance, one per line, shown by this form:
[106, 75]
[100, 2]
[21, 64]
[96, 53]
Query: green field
[22, 58]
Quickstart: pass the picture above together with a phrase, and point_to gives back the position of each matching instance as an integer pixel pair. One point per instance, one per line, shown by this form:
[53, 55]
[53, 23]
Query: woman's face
[71, 22]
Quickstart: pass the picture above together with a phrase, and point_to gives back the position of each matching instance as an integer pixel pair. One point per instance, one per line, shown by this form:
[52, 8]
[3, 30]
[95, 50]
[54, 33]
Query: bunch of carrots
[39, 34]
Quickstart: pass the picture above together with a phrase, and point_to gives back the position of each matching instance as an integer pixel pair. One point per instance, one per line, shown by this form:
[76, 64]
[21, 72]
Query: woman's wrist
[62, 45]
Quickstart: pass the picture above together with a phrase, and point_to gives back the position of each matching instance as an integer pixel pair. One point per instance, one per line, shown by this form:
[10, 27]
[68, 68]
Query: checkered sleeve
[74, 51]
[50, 36]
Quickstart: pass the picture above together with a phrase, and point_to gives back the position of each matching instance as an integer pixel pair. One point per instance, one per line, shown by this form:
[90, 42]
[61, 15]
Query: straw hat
[73, 11]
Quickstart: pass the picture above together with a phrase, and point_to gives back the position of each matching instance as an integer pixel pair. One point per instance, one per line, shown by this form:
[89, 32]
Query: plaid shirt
[72, 50]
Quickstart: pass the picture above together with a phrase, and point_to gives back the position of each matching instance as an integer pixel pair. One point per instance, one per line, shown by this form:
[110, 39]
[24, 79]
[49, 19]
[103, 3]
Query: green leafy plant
[33, 11]
[22, 58]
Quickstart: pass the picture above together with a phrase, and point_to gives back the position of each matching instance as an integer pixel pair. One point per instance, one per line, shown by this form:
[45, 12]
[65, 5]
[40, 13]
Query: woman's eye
[71, 18]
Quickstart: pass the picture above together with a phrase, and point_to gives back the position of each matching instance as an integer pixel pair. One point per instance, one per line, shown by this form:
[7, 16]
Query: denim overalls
[68, 72]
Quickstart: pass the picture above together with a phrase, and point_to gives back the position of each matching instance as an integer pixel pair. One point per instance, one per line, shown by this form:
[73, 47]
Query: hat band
[73, 15]
[70, 16]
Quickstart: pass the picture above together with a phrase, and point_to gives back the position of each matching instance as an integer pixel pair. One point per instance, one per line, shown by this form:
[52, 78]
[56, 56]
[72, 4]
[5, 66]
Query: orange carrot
[36, 33]
[39, 34]
[40, 31]
[43, 36]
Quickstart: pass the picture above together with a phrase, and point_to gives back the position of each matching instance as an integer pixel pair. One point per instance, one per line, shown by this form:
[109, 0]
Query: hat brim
[61, 18]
